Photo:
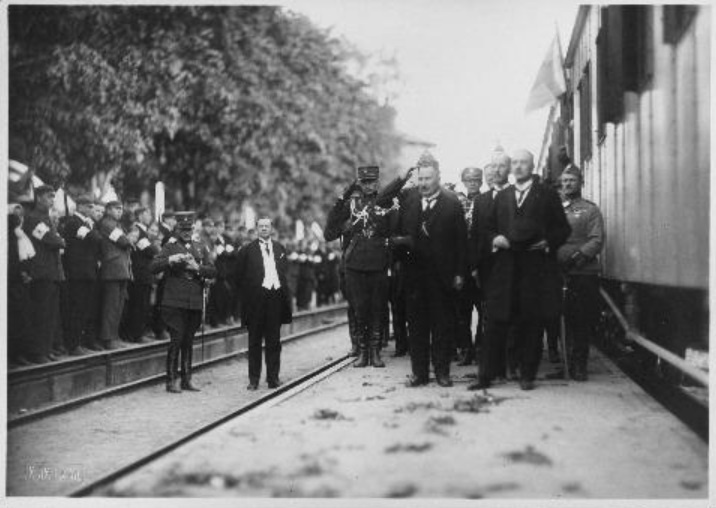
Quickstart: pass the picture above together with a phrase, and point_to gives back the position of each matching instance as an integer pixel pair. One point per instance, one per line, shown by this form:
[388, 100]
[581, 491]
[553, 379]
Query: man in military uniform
[579, 260]
[46, 274]
[186, 266]
[360, 214]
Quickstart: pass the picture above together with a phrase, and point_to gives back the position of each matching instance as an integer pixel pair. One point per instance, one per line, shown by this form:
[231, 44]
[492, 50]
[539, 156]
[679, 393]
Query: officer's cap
[185, 220]
[368, 173]
[573, 170]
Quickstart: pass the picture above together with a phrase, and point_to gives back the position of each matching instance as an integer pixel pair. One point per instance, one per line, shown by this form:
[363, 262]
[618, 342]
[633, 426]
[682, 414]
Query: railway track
[157, 348]
[287, 390]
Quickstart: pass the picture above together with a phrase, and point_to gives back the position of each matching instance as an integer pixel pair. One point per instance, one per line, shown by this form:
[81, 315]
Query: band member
[436, 265]
[262, 267]
[186, 267]
[360, 213]
[526, 227]
[579, 260]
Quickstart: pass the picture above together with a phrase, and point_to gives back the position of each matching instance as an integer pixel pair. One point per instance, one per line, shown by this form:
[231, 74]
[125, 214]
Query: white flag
[549, 83]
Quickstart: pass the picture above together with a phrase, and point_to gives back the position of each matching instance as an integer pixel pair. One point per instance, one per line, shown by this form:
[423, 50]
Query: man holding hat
[360, 215]
[46, 274]
[579, 260]
[186, 265]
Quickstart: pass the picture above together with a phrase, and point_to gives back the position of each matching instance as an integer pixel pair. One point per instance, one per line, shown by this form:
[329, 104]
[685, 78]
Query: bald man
[525, 228]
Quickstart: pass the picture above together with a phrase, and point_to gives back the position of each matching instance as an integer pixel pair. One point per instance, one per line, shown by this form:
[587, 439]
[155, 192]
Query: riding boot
[375, 360]
[186, 361]
[173, 368]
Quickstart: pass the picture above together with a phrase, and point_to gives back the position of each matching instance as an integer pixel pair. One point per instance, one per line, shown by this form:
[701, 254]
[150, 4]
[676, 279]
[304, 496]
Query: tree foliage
[224, 104]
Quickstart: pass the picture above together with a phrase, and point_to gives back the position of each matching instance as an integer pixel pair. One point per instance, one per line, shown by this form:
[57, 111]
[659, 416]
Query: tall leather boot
[353, 332]
[186, 358]
[173, 368]
[363, 358]
[375, 360]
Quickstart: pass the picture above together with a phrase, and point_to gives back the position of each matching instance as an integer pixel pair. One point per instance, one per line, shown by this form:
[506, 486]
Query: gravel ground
[58, 454]
[361, 433]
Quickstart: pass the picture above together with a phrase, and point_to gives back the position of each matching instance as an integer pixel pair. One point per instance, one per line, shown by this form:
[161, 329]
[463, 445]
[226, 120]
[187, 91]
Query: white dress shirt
[429, 201]
[271, 280]
[521, 191]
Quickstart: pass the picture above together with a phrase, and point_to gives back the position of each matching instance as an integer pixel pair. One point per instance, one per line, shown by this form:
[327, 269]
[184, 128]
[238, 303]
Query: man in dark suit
[436, 267]
[186, 266]
[115, 273]
[266, 301]
[138, 308]
[525, 228]
[81, 261]
[46, 274]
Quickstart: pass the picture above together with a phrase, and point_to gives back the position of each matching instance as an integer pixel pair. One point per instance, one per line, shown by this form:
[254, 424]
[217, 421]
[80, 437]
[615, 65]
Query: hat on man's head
[113, 204]
[43, 189]
[185, 220]
[574, 171]
[368, 173]
[427, 160]
[84, 200]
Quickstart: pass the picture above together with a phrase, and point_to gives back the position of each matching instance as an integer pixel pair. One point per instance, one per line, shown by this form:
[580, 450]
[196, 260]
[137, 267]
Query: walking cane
[563, 330]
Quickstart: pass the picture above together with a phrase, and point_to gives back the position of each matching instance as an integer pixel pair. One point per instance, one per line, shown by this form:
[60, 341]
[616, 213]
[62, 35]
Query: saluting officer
[186, 266]
[360, 214]
[578, 258]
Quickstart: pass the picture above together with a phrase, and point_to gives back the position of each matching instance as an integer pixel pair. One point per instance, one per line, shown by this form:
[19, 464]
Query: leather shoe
[414, 381]
[275, 383]
[444, 381]
[252, 387]
[579, 374]
[173, 387]
[527, 385]
[189, 387]
[400, 352]
[480, 384]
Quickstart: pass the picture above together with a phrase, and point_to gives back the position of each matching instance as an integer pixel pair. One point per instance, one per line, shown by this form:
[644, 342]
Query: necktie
[428, 203]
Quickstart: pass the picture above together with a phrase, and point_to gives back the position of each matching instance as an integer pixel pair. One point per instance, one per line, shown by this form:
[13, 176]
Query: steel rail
[686, 368]
[283, 392]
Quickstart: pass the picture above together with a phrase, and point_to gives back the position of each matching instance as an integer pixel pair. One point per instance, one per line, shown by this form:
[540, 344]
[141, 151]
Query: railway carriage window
[585, 115]
[677, 19]
[638, 47]
[610, 68]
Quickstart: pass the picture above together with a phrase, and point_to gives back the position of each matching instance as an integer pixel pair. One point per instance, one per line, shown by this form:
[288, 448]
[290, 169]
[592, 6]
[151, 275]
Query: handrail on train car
[666, 355]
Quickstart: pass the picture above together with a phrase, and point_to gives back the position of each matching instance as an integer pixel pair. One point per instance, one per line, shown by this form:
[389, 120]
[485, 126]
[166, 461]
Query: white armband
[143, 243]
[219, 249]
[115, 234]
[229, 248]
[82, 232]
[40, 230]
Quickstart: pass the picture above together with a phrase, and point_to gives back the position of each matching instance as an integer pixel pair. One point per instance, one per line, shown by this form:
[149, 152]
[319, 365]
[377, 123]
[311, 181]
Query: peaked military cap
[368, 173]
[185, 220]
[573, 170]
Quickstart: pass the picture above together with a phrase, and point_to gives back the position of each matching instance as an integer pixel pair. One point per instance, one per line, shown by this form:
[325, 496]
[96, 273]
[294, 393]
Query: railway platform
[360, 433]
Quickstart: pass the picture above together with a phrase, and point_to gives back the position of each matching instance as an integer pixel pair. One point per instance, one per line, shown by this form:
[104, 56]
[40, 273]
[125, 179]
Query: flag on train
[549, 84]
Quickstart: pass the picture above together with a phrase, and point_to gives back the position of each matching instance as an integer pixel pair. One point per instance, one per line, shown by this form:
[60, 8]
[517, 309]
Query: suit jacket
[538, 286]
[115, 253]
[83, 252]
[448, 234]
[250, 275]
[183, 289]
[142, 255]
[480, 248]
[46, 264]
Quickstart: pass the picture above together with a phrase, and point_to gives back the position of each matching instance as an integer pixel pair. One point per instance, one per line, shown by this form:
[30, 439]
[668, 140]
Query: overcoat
[524, 280]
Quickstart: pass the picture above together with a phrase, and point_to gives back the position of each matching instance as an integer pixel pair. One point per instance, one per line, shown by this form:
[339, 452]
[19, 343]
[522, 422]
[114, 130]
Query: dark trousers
[219, 304]
[137, 311]
[431, 325]
[19, 318]
[158, 324]
[45, 315]
[369, 297]
[398, 298]
[182, 325]
[469, 298]
[552, 329]
[265, 326]
[114, 295]
[82, 312]
[520, 338]
[581, 316]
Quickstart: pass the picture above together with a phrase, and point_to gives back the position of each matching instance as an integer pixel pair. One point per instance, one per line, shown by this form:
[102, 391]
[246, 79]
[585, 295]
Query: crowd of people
[524, 255]
[83, 282]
